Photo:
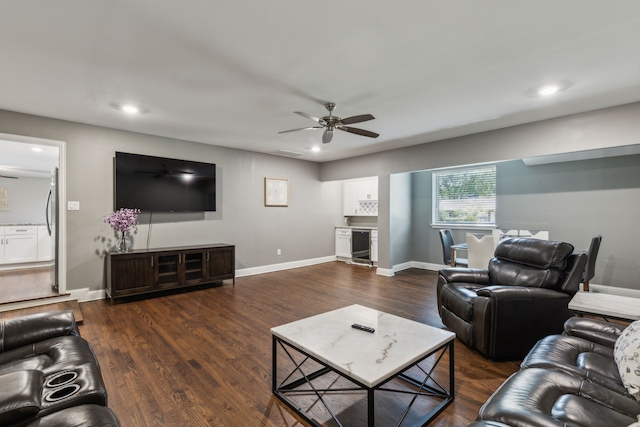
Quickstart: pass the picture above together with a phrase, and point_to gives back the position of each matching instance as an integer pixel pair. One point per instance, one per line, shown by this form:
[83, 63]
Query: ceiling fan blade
[309, 116]
[357, 131]
[7, 176]
[295, 130]
[327, 136]
[357, 119]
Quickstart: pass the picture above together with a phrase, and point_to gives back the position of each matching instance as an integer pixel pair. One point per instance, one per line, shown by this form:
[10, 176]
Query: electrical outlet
[278, 252]
[73, 206]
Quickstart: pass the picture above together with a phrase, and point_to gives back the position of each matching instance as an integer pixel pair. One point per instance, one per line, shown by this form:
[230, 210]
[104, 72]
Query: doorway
[29, 240]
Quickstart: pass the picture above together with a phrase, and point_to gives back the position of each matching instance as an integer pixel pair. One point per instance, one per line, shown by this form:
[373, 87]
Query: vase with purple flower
[122, 221]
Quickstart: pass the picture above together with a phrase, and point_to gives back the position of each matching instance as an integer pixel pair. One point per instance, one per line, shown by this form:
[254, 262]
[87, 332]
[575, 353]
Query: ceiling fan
[330, 123]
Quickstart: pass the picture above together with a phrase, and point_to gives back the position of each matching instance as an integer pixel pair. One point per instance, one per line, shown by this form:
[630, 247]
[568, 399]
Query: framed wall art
[276, 192]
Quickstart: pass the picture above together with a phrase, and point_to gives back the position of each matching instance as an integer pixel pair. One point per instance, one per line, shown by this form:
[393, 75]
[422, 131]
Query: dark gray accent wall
[574, 201]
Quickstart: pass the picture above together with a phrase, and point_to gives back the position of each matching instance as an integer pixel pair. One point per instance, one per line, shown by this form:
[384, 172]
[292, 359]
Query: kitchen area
[357, 240]
[28, 200]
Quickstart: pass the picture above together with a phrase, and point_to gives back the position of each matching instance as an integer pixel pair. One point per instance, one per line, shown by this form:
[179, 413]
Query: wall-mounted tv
[159, 184]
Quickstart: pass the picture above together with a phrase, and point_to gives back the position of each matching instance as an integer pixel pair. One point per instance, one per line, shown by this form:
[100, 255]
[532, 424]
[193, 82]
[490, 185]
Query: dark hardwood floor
[203, 358]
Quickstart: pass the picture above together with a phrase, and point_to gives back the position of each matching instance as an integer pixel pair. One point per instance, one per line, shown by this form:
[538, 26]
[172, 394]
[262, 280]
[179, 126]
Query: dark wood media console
[140, 272]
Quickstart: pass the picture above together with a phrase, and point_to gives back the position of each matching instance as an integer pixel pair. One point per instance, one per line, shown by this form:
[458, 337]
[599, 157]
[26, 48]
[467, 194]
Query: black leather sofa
[565, 380]
[49, 375]
[521, 297]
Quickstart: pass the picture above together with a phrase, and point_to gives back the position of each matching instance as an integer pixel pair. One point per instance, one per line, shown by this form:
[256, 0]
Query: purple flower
[123, 219]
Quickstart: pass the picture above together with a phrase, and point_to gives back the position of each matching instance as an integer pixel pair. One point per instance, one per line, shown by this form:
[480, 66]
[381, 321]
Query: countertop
[21, 224]
[360, 227]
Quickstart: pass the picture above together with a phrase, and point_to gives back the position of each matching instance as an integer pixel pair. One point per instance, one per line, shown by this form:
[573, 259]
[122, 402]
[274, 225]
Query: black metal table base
[293, 384]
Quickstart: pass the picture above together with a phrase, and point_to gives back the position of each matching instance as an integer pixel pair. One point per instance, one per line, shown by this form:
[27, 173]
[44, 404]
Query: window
[465, 196]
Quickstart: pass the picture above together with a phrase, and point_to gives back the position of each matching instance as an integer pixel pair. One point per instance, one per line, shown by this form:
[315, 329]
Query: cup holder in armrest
[62, 392]
[61, 378]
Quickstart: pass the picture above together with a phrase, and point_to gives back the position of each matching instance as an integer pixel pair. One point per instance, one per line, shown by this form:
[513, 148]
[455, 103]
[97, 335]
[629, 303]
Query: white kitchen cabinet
[20, 244]
[350, 198]
[360, 197]
[45, 245]
[374, 245]
[366, 188]
[343, 242]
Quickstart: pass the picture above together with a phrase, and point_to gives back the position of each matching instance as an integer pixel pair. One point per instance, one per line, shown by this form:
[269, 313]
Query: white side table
[607, 305]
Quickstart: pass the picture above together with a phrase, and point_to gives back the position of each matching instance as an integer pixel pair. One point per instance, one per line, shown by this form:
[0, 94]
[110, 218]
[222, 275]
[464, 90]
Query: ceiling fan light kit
[330, 123]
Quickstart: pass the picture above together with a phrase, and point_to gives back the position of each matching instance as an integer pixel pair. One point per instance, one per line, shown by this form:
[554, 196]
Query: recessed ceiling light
[131, 109]
[36, 149]
[315, 149]
[548, 90]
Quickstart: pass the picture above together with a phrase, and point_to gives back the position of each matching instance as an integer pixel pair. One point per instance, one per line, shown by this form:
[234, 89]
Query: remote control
[363, 328]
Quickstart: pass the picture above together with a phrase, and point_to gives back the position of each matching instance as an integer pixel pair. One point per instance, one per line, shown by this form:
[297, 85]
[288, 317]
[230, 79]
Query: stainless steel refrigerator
[51, 213]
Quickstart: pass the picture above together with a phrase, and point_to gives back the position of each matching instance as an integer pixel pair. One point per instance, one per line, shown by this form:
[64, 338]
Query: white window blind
[465, 196]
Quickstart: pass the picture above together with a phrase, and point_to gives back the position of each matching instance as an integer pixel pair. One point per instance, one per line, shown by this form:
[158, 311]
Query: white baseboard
[387, 272]
[420, 265]
[283, 266]
[625, 292]
[84, 294]
[411, 264]
[23, 266]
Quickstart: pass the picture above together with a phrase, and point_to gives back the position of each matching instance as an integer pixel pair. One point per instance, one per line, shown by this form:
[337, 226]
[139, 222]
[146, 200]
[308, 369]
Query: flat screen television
[158, 184]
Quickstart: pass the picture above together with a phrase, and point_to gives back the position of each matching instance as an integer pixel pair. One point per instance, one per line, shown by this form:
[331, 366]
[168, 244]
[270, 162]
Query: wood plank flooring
[66, 305]
[203, 358]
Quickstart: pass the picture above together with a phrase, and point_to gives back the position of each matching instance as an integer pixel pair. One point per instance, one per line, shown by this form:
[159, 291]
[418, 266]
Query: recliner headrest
[542, 254]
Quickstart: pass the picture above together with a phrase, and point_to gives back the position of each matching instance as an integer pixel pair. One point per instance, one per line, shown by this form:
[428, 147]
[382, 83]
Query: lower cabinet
[343, 242]
[24, 244]
[147, 271]
[374, 246]
[20, 244]
[221, 263]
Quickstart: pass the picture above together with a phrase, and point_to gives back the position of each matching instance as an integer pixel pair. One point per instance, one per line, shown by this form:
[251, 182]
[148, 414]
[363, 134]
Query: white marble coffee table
[369, 360]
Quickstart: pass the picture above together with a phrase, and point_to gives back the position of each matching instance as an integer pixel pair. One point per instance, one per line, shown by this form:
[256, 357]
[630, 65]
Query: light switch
[73, 206]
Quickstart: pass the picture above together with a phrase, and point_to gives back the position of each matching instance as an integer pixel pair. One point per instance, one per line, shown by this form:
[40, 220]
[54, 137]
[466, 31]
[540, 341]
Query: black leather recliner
[565, 380]
[49, 375]
[521, 297]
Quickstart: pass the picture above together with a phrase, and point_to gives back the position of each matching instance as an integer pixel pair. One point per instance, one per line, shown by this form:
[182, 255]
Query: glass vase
[123, 244]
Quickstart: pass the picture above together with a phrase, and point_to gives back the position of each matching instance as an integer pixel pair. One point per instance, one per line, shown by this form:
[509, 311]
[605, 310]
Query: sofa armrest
[34, 328]
[465, 275]
[20, 396]
[506, 292]
[513, 318]
[594, 330]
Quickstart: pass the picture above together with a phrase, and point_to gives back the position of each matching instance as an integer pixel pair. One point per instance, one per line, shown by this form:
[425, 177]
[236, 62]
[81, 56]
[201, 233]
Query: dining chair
[540, 234]
[499, 234]
[480, 250]
[447, 241]
[590, 267]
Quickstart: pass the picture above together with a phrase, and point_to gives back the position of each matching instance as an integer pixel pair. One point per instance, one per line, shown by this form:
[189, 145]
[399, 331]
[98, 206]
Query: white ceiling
[231, 73]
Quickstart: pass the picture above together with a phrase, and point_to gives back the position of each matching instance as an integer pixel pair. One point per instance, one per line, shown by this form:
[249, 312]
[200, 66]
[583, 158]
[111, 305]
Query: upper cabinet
[360, 197]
